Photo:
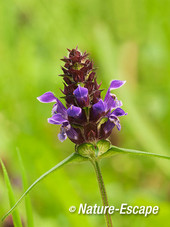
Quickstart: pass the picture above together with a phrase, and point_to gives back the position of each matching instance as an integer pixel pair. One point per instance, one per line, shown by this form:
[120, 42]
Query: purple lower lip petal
[57, 119]
[62, 136]
[119, 112]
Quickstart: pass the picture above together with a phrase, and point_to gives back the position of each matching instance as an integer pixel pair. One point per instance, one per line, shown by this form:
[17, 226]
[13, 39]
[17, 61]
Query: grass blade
[115, 150]
[15, 215]
[74, 157]
[28, 206]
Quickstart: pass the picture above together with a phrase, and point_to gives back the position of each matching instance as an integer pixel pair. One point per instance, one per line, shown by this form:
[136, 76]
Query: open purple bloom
[110, 99]
[86, 117]
[58, 106]
[113, 118]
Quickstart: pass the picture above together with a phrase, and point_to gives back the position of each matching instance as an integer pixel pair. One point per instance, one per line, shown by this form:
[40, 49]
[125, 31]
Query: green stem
[102, 192]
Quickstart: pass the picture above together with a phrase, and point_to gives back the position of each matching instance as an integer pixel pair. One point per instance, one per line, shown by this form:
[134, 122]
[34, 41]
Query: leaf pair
[103, 149]
[85, 152]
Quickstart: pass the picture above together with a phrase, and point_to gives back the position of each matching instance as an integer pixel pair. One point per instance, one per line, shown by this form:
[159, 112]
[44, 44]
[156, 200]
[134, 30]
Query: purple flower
[58, 106]
[110, 99]
[81, 95]
[57, 119]
[74, 111]
[60, 116]
[98, 109]
[86, 117]
[114, 120]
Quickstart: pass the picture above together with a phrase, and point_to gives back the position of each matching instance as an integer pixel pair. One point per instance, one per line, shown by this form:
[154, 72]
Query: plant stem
[102, 192]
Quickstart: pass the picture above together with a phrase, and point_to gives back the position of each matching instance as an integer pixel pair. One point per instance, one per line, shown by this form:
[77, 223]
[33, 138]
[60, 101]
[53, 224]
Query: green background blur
[127, 40]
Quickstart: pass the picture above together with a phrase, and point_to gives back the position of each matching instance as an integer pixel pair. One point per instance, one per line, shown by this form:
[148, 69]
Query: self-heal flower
[86, 117]
[87, 120]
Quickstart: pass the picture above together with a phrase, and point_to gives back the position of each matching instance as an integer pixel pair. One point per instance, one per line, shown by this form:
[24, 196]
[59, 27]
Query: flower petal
[81, 92]
[118, 112]
[116, 121]
[57, 119]
[59, 108]
[74, 111]
[110, 99]
[62, 136]
[81, 95]
[99, 107]
[116, 84]
[108, 126]
[72, 134]
[47, 97]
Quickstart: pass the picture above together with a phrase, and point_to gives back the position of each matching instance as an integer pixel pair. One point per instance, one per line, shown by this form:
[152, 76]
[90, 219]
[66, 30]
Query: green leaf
[115, 150]
[28, 206]
[74, 157]
[16, 217]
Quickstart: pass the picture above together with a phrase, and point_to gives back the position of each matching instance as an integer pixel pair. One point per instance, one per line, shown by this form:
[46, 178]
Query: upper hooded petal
[116, 84]
[110, 99]
[81, 92]
[99, 107]
[47, 97]
[74, 111]
[59, 108]
[98, 110]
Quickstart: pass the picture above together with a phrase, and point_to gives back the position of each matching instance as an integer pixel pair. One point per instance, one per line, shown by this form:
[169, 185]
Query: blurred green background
[127, 40]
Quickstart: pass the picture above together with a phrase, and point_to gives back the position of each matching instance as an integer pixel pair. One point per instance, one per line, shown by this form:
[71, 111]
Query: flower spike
[86, 117]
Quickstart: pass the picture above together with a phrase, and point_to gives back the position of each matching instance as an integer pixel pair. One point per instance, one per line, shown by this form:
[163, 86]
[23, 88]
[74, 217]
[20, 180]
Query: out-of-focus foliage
[15, 216]
[127, 40]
